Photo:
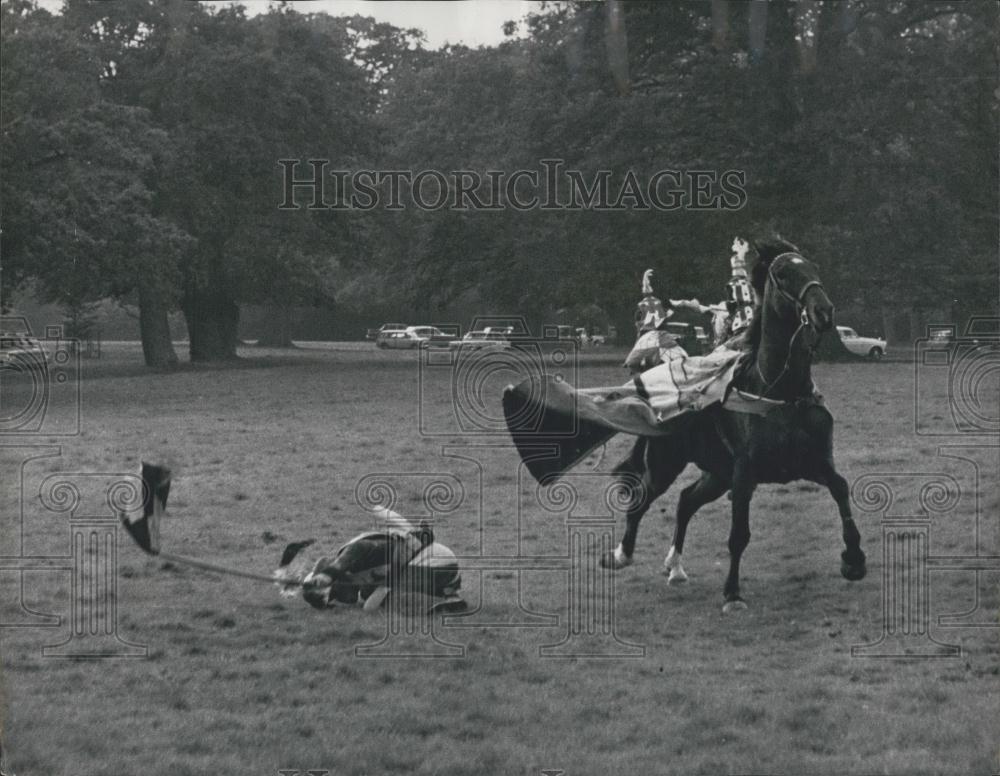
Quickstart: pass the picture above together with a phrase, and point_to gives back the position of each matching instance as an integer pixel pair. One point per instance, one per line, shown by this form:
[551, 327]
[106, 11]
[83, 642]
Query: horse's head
[793, 289]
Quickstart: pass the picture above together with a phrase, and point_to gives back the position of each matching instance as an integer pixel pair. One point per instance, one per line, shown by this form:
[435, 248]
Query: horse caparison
[737, 451]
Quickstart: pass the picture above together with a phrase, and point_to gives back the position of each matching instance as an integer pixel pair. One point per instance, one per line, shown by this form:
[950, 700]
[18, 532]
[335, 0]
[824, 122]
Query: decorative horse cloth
[554, 425]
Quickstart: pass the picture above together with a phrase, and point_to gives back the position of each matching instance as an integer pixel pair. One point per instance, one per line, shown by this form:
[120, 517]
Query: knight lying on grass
[397, 562]
[397, 559]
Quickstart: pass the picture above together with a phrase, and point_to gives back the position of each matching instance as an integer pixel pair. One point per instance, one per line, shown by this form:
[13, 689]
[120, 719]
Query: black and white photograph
[515, 387]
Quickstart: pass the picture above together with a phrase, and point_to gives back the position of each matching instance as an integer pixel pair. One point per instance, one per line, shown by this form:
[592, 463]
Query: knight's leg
[739, 534]
[707, 489]
[852, 559]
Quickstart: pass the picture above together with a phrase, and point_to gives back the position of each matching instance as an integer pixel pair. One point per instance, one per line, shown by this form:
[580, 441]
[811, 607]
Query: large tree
[141, 150]
[79, 214]
[239, 94]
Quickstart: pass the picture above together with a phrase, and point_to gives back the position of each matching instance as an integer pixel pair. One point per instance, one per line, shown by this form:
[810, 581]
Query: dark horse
[780, 432]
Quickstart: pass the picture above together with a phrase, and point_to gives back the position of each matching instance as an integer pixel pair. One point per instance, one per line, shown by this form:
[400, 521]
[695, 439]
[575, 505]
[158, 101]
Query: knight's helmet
[739, 292]
[650, 313]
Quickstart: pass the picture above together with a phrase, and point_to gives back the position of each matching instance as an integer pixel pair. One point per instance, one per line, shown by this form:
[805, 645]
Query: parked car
[385, 328]
[416, 337]
[869, 347]
[687, 337]
[504, 331]
[487, 339]
[18, 348]
[941, 338]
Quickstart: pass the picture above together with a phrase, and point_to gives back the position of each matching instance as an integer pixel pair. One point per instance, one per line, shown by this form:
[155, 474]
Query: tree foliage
[866, 130]
[141, 143]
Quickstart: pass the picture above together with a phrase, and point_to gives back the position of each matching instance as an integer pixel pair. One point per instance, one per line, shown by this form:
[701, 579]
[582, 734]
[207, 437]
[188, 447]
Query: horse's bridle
[797, 299]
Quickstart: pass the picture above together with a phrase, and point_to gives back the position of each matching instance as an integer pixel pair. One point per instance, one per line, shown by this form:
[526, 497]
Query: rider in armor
[740, 298]
[654, 344]
[395, 559]
[733, 316]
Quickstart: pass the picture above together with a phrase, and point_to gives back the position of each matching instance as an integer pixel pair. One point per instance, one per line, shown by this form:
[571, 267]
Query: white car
[415, 337]
[481, 340]
[869, 347]
[378, 334]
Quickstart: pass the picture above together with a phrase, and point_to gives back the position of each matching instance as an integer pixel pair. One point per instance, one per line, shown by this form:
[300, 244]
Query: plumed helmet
[738, 262]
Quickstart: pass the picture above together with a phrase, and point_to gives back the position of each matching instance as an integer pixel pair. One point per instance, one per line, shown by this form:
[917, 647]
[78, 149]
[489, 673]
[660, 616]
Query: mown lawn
[239, 680]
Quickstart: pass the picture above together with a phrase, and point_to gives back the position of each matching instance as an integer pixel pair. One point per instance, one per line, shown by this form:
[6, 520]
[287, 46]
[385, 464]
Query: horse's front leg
[852, 559]
[739, 533]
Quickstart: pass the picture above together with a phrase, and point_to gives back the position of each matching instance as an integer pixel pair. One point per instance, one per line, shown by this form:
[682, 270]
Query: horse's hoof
[677, 576]
[852, 565]
[732, 607]
[615, 560]
[853, 573]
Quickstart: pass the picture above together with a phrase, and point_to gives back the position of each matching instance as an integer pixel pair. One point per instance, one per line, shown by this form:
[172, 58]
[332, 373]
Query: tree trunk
[623, 319]
[758, 30]
[890, 331]
[154, 327]
[212, 319]
[279, 334]
[848, 21]
[720, 24]
[617, 46]
[807, 27]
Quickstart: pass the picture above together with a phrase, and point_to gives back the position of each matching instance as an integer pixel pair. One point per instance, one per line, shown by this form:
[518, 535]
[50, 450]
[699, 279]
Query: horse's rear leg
[662, 467]
[852, 559]
[693, 498]
[635, 462]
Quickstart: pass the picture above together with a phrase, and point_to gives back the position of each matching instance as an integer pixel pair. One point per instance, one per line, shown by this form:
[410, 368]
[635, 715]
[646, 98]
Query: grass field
[239, 680]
